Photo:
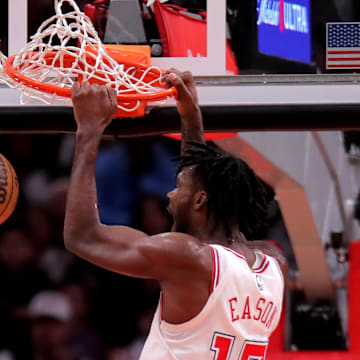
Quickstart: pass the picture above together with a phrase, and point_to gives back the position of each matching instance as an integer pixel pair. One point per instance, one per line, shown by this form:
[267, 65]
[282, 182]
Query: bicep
[130, 252]
[111, 247]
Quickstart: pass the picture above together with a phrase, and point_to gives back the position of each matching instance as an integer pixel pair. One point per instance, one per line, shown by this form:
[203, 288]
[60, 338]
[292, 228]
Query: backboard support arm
[53, 119]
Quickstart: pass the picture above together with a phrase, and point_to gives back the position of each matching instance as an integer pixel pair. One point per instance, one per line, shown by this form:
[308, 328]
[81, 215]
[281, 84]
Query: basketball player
[221, 297]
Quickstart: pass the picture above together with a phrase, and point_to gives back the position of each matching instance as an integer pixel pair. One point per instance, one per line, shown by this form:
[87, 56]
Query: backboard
[277, 47]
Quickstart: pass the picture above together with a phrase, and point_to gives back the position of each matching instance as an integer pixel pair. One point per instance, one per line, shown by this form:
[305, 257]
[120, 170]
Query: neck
[237, 240]
[209, 233]
[204, 229]
[216, 236]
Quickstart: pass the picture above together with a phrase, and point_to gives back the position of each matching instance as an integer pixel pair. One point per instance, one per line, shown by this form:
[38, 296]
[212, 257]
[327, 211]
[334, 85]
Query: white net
[66, 47]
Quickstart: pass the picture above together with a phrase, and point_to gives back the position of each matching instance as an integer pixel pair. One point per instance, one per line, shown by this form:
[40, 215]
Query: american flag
[343, 46]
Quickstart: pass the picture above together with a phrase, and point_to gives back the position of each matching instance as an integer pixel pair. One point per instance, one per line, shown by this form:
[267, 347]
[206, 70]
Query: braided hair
[235, 194]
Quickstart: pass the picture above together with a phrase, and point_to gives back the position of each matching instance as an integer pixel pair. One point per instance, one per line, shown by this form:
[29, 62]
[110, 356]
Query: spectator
[52, 258]
[50, 314]
[153, 217]
[83, 341]
[20, 279]
[137, 169]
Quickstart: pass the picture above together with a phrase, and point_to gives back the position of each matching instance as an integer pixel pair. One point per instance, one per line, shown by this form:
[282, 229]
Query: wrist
[192, 114]
[88, 134]
[87, 142]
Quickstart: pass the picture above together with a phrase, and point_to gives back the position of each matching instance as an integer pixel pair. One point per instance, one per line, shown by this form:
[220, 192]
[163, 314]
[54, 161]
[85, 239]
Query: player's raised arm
[187, 103]
[116, 248]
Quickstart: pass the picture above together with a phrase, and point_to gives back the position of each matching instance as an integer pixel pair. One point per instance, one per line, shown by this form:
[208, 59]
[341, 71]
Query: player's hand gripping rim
[187, 100]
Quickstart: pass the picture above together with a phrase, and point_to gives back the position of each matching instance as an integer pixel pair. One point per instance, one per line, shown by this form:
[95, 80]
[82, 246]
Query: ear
[200, 200]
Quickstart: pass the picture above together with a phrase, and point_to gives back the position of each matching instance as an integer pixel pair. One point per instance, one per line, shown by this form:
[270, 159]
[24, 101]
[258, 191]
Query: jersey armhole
[215, 277]
[216, 269]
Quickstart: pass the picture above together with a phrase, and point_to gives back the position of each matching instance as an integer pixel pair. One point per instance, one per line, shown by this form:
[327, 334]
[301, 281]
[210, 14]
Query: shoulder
[178, 241]
[177, 248]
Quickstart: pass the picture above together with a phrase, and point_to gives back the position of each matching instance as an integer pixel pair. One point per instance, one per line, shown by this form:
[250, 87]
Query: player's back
[242, 311]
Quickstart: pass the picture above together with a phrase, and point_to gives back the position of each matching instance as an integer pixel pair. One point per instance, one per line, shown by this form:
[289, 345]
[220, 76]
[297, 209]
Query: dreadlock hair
[234, 192]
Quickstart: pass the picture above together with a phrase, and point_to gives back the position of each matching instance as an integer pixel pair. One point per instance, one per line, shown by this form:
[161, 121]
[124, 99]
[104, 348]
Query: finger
[85, 86]
[187, 77]
[102, 94]
[75, 89]
[178, 83]
[167, 81]
[95, 87]
[173, 70]
[189, 81]
[168, 72]
[100, 91]
[112, 96]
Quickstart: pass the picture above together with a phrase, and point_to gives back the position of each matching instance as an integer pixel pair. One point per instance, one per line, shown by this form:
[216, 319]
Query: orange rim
[51, 89]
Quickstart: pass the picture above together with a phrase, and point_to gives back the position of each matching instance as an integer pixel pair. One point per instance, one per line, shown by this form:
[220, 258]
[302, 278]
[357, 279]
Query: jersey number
[253, 350]
[222, 346]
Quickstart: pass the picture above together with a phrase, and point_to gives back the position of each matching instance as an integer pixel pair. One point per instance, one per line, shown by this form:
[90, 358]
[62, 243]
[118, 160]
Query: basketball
[9, 189]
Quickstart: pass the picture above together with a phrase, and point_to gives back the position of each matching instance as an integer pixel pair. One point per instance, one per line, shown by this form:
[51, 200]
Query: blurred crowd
[53, 305]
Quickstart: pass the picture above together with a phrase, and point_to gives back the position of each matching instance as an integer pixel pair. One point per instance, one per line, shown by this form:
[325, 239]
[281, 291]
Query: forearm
[192, 128]
[188, 106]
[81, 214]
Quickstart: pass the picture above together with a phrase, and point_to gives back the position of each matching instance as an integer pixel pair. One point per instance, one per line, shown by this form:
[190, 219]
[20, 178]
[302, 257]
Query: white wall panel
[299, 156]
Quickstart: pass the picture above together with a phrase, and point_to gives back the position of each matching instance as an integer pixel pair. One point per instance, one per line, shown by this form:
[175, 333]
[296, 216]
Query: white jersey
[242, 311]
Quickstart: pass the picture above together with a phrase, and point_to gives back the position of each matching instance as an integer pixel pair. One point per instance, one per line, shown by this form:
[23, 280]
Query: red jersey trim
[213, 270]
[216, 269]
[236, 253]
[264, 265]
[261, 265]
[217, 278]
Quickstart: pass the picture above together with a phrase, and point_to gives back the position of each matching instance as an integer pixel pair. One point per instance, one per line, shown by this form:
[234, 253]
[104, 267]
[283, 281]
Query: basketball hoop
[46, 70]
